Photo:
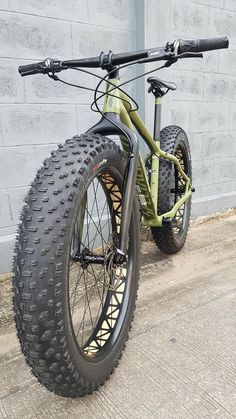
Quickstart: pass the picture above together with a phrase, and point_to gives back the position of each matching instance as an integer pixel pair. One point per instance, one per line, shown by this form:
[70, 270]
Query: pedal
[179, 191]
[167, 221]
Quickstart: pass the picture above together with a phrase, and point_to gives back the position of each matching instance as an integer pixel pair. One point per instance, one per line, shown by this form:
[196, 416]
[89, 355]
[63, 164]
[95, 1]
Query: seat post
[157, 118]
[159, 88]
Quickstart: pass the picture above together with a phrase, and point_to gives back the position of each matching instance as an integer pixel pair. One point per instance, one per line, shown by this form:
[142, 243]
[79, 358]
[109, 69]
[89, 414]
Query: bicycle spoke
[94, 223]
[85, 311]
[94, 298]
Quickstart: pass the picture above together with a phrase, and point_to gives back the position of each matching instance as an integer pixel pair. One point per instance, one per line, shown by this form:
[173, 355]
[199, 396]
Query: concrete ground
[180, 361]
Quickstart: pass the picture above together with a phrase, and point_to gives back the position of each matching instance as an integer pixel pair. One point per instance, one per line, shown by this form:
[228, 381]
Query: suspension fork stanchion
[78, 238]
[111, 124]
[82, 215]
[155, 158]
[129, 192]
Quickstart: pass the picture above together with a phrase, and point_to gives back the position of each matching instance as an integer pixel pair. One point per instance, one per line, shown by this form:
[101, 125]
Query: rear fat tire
[39, 283]
[172, 138]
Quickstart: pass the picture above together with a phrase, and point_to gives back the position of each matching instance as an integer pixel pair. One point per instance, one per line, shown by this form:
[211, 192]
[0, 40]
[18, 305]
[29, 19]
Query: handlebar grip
[201, 45]
[29, 69]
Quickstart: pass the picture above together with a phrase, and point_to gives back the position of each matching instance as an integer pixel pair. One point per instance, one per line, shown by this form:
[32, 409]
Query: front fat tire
[39, 283]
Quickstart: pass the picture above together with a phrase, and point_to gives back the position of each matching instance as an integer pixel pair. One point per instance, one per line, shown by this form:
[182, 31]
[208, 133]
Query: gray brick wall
[37, 113]
[208, 89]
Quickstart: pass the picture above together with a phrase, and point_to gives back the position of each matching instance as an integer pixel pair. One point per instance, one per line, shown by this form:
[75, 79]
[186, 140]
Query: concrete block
[91, 40]
[215, 3]
[37, 124]
[190, 19]
[217, 145]
[157, 23]
[232, 117]
[112, 13]
[209, 63]
[34, 37]
[180, 114]
[209, 116]
[166, 118]
[189, 85]
[16, 196]
[73, 10]
[202, 173]
[225, 170]
[17, 166]
[213, 204]
[4, 5]
[195, 141]
[6, 253]
[223, 22]
[227, 61]
[217, 189]
[230, 4]
[219, 87]
[5, 216]
[10, 87]
[41, 89]
[86, 118]
[1, 136]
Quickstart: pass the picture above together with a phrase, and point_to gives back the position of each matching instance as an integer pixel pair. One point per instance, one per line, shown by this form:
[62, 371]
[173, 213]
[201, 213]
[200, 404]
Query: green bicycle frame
[119, 103]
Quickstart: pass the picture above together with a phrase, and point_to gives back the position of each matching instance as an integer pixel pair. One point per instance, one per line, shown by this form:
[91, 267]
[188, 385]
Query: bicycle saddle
[156, 85]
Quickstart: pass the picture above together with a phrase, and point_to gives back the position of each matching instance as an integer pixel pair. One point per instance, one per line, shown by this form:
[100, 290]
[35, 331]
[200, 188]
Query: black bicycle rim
[98, 293]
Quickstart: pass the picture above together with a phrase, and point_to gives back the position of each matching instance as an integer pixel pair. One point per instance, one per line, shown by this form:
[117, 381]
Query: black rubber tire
[39, 284]
[165, 238]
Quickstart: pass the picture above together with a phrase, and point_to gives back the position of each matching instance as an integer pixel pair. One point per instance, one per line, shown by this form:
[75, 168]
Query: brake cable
[102, 79]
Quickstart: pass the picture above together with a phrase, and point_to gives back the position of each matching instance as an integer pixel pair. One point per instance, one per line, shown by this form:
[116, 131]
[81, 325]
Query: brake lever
[189, 55]
[175, 58]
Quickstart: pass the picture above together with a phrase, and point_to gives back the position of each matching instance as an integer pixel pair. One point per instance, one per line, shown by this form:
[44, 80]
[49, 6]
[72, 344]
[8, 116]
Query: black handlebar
[106, 61]
[201, 45]
[94, 62]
